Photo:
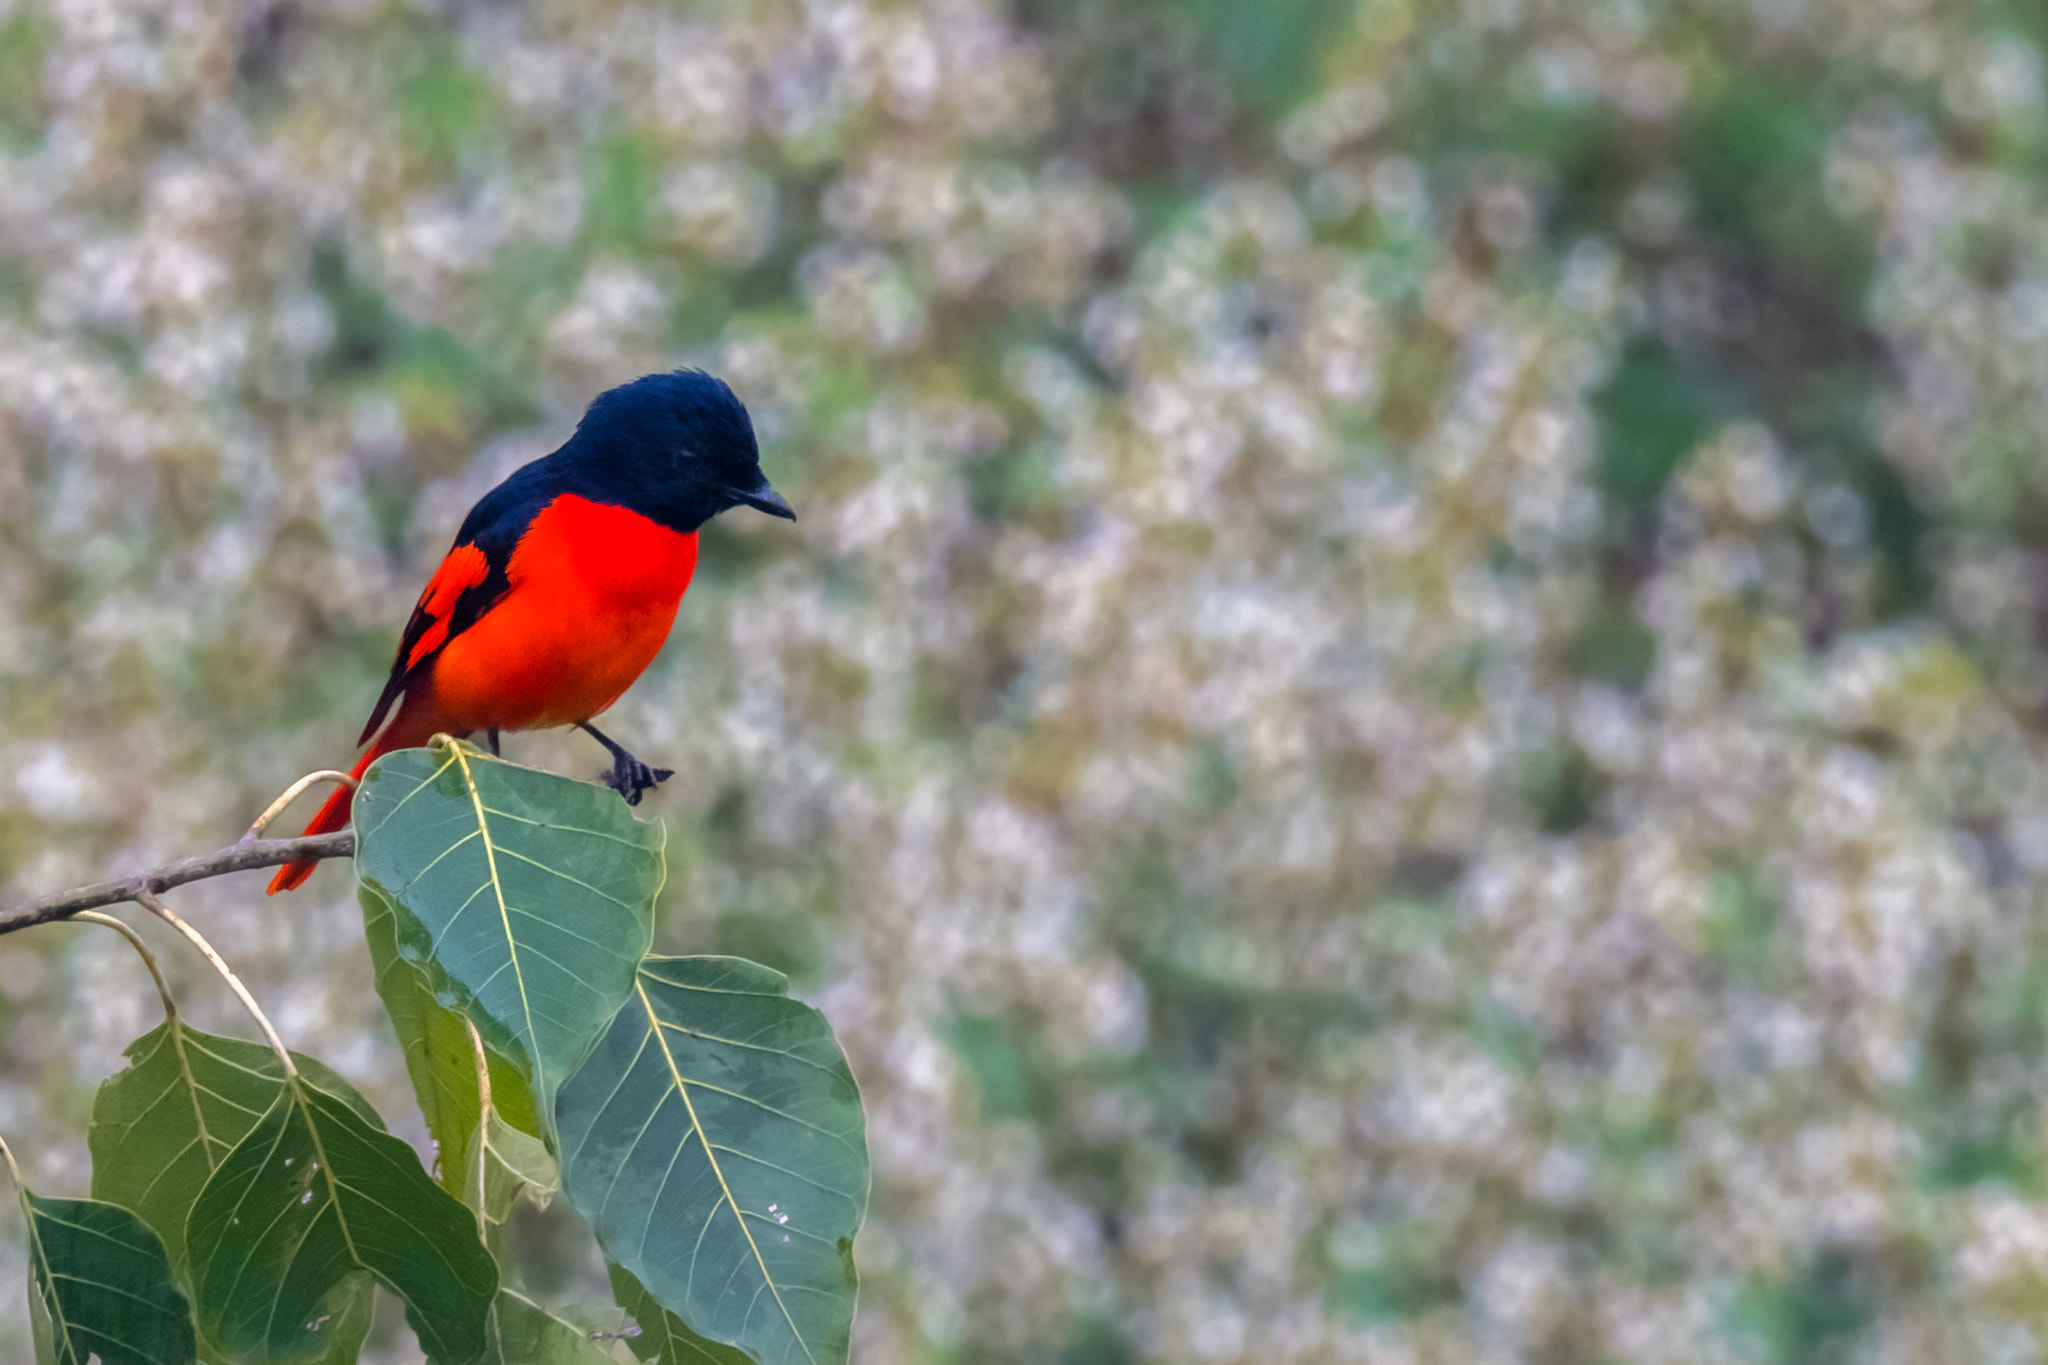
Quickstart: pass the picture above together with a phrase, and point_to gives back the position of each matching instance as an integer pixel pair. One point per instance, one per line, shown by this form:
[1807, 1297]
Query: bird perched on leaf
[565, 579]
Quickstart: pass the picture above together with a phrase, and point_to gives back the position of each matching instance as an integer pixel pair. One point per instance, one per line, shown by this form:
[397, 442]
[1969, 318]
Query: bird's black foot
[629, 777]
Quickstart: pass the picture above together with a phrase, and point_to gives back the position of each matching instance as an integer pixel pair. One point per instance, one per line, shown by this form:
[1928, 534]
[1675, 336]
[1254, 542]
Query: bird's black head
[678, 447]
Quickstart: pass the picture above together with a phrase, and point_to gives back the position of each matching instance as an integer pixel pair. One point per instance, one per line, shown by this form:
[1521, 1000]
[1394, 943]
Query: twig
[148, 901]
[236, 857]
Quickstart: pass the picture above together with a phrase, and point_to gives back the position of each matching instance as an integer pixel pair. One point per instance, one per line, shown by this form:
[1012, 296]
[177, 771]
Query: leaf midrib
[46, 1290]
[303, 1101]
[305, 1104]
[718, 1171]
[176, 1028]
[483, 825]
[295, 1096]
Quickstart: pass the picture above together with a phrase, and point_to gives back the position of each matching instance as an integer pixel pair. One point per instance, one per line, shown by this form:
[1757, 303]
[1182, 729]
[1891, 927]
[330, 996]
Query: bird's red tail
[332, 817]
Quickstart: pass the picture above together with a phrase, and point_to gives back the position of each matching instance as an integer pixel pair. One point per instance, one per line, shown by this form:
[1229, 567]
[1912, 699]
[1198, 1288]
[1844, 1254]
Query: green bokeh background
[1405, 719]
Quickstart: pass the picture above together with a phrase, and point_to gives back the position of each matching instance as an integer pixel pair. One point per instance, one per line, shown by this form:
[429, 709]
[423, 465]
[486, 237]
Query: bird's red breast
[593, 590]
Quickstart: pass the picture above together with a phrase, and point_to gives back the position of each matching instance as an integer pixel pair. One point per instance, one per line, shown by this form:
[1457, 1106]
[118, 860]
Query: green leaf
[312, 1194]
[437, 1053]
[100, 1284]
[523, 1333]
[664, 1336]
[163, 1125]
[527, 899]
[713, 1140]
[335, 1333]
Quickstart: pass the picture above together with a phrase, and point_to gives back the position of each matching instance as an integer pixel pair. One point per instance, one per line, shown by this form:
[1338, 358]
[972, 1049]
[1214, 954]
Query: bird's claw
[631, 778]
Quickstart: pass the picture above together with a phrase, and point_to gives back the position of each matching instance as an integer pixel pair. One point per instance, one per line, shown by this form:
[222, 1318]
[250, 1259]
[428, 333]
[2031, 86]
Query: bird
[564, 580]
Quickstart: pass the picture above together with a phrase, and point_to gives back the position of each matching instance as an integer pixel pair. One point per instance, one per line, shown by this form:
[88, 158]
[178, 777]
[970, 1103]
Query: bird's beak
[764, 499]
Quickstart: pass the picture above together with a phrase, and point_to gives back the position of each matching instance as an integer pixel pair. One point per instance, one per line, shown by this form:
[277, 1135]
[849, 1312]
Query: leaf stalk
[291, 794]
[149, 902]
[134, 941]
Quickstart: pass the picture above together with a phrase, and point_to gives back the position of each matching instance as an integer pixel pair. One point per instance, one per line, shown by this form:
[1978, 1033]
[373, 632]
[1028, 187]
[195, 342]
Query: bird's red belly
[594, 591]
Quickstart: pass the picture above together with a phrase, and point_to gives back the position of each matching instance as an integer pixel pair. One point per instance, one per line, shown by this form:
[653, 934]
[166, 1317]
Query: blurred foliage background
[1404, 723]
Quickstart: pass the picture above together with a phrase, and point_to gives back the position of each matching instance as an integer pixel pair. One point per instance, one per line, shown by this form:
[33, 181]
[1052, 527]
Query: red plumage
[565, 579]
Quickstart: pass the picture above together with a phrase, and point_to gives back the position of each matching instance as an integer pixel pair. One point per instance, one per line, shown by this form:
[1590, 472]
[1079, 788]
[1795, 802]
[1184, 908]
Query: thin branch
[148, 901]
[236, 857]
